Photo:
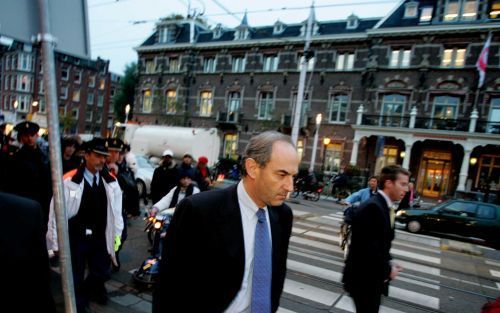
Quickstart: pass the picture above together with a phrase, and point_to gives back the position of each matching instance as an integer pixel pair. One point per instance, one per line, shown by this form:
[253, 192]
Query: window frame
[270, 63]
[455, 53]
[268, 103]
[345, 61]
[331, 102]
[171, 101]
[206, 103]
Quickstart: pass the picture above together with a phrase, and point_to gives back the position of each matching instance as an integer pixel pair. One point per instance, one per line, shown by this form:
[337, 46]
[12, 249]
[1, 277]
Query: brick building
[398, 89]
[84, 87]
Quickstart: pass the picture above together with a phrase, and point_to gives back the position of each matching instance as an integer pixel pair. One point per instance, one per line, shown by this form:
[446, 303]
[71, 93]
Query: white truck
[152, 140]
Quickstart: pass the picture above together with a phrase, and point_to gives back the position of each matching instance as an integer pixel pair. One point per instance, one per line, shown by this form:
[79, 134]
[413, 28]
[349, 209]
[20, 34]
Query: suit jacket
[203, 259]
[367, 267]
[23, 256]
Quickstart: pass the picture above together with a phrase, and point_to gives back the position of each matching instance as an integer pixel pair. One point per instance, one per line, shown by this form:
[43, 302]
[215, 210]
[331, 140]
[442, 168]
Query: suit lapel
[275, 235]
[231, 227]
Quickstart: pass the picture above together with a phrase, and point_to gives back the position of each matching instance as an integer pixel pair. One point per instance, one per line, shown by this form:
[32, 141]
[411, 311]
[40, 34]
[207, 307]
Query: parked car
[143, 171]
[459, 217]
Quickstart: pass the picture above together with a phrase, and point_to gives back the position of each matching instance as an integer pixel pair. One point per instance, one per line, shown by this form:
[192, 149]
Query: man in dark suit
[226, 250]
[368, 267]
[23, 256]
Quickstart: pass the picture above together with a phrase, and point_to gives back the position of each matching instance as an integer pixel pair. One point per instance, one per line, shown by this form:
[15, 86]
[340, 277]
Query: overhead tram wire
[226, 9]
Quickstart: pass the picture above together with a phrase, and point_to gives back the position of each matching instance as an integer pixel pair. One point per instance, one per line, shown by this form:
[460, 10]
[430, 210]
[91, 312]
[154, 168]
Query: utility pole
[302, 78]
[49, 77]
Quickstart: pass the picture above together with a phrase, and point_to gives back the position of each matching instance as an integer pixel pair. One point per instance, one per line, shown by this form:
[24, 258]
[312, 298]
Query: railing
[386, 120]
[442, 124]
[488, 127]
[228, 117]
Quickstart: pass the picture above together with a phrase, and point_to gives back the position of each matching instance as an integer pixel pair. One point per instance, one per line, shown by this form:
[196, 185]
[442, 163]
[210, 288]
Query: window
[90, 98]
[147, 101]
[460, 10]
[494, 117]
[25, 62]
[345, 62]
[150, 66]
[238, 64]
[173, 65]
[445, 107]
[88, 116]
[231, 146]
[92, 81]
[41, 87]
[171, 101]
[459, 208]
[411, 9]
[209, 65]
[42, 106]
[76, 95]
[74, 113]
[278, 28]
[352, 22]
[78, 77]
[24, 83]
[453, 58]
[486, 211]
[488, 170]
[205, 103]
[265, 105]
[310, 63]
[99, 117]
[233, 106]
[338, 107]
[100, 101]
[64, 74]
[7, 62]
[392, 110]
[333, 157]
[390, 155]
[426, 15]
[102, 83]
[270, 63]
[6, 82]
[64, 92]
[495, 10]
[400, 58]
[241, 34]
[166, 35]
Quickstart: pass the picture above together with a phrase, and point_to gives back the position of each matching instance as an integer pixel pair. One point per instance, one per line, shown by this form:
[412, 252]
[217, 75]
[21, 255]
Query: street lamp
[127, 110]
[326, 142]
[315, 143]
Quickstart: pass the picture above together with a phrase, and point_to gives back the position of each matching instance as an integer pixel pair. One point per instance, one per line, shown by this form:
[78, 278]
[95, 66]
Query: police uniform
[30, 174]
[94, 205]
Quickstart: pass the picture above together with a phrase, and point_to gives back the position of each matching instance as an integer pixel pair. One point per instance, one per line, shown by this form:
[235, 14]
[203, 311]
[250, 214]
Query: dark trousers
[91, 252]
[367, 302]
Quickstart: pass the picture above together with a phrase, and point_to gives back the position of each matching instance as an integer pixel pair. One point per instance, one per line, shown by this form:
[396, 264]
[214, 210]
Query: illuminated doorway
[434, 174]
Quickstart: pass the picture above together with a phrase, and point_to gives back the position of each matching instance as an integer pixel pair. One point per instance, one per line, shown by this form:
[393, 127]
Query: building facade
[84, 89]
[399, 89]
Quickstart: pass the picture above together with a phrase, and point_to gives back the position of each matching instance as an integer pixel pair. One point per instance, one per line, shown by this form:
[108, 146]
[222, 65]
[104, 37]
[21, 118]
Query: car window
[486, 211]
[143, 163]
[461, 208]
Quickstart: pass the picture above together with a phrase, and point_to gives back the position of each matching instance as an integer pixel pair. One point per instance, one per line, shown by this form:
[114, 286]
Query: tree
[126, 92]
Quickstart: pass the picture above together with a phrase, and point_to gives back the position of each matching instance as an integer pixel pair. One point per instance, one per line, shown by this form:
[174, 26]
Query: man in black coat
[23, 256]
[368, 266]
[216, 238]
[30, 171]
[165, 177]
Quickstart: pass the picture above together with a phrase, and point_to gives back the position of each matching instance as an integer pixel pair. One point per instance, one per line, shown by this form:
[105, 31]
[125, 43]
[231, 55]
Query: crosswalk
[315, 264]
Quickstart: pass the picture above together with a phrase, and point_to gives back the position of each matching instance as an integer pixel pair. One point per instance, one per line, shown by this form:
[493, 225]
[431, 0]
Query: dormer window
[218, 31]
[166, 34]
[460, 10]
[352, 22]
[411, 9]
[278, 28]
[241, 34]
[426, 15]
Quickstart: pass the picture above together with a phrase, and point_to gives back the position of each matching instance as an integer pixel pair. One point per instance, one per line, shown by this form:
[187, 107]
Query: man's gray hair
[260, 148]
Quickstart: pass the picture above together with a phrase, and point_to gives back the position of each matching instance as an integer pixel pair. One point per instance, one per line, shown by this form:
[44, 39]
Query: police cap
[26, 128]
[115, 144]
[97, 145]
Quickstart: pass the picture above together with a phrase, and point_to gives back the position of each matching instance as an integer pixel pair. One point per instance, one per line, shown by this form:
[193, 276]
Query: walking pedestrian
[369, 267]
[226, 250]
[165, 176]
[94, 209]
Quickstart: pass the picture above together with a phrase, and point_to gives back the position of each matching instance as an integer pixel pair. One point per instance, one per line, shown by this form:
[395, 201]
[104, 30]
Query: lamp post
[127, 111]
[15, 105]
[326, 142]
[315, 143]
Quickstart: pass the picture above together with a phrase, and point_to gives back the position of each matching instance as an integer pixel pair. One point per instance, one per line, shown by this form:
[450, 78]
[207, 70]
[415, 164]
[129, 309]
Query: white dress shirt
[242, 302]
[89, 177]
[386, 197]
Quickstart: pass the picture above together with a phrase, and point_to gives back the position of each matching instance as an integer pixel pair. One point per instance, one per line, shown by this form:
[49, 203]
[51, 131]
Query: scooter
[156, 227]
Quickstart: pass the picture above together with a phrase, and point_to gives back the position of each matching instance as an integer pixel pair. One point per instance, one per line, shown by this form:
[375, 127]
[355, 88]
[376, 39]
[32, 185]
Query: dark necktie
[94, 182]
[262, 266]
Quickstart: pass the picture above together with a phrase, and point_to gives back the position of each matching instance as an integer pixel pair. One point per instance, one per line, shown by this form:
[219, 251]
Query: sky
[117, 26]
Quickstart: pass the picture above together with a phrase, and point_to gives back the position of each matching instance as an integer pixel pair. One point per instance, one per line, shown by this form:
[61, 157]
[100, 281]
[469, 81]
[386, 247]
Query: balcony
[228, 120]
[411, 121]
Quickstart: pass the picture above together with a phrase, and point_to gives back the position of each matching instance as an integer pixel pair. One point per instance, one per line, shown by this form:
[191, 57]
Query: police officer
[94, 208]
[30, 170]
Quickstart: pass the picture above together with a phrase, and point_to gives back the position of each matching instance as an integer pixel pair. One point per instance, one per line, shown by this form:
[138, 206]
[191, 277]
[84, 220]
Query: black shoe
[100, 298]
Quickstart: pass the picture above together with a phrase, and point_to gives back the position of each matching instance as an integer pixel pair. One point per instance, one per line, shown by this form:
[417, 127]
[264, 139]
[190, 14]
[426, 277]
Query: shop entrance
[434, 175]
